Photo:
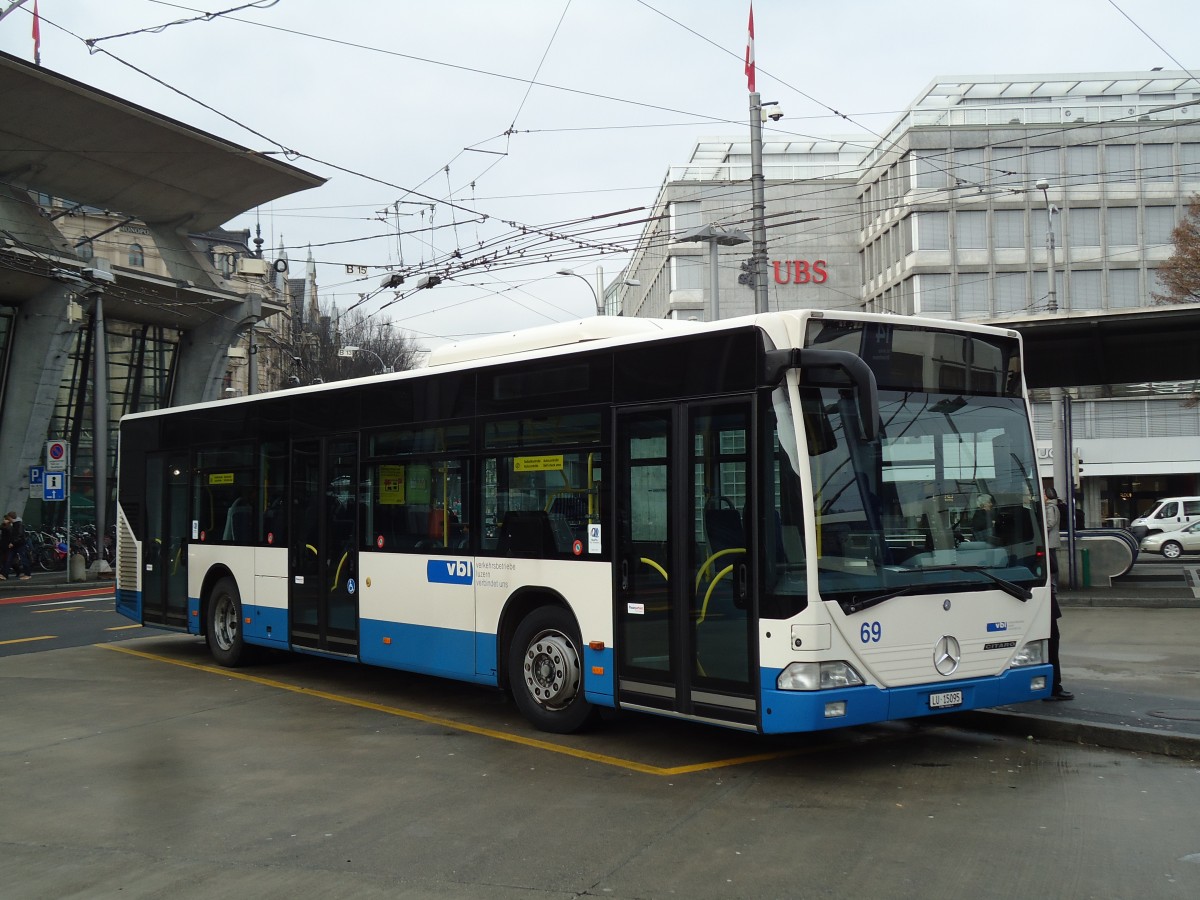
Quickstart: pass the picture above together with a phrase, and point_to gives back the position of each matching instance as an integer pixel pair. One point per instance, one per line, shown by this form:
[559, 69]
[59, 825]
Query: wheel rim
[225, 623]
[551, 670]
[1171, 551]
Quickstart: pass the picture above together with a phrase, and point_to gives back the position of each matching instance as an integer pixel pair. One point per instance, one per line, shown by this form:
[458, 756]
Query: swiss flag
[750, 54]
[37, 36]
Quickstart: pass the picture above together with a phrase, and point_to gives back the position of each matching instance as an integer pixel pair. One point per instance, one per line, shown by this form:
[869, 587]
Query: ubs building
[950, 215]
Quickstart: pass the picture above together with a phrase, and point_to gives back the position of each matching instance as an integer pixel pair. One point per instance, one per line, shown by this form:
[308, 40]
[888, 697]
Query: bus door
[322, 548]
[164, 551]
[685, 614]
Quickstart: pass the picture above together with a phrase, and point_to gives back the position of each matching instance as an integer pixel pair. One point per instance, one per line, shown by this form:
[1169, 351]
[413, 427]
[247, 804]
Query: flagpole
[758, 202]
[758, 207]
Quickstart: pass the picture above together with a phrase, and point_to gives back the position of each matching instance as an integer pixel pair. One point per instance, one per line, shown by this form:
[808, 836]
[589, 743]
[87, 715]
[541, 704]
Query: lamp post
[597, 296]
[1061, 437]
[714, 236]
[1052, 296]
[349, 350]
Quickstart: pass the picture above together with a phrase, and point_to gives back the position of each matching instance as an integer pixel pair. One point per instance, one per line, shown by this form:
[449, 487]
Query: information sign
[55, 488]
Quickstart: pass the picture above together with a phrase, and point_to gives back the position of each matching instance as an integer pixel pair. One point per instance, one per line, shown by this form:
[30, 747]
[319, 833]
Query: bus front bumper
[798, 711]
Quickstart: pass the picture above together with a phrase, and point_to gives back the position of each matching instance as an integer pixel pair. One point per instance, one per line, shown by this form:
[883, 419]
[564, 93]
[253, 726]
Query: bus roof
[560, 334]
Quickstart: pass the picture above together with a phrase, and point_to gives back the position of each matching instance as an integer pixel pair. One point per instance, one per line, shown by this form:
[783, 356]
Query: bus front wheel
[545, 671]
[224, 633]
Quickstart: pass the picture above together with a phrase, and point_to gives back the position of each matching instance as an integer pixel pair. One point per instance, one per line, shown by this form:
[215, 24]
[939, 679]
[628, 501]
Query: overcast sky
[380, 96]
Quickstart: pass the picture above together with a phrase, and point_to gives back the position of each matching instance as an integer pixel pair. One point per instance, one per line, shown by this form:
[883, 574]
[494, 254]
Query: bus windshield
[947, 497]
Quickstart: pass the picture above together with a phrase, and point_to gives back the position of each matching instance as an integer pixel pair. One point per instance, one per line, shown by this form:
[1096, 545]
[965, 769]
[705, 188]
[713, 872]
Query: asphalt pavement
[1130, 655]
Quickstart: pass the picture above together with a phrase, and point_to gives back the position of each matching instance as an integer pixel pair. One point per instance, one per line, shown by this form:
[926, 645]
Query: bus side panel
[417, 613]
[265, 613]
[201, 559]
[128, 569]
[587, 588]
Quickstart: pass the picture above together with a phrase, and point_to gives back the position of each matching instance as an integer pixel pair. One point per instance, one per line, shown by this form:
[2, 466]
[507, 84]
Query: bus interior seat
[723, 527]
[572, 507]
[526, 533]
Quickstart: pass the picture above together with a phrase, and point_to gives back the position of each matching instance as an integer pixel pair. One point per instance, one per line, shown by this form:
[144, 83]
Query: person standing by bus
[1053, 542]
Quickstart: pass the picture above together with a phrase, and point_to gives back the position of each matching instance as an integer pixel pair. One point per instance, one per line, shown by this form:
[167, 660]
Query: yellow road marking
[122, 627]
[38, 612]
[601, 758]
[42, 637]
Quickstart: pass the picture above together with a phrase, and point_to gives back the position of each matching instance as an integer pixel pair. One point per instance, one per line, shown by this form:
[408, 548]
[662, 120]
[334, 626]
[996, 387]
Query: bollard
[78, 567]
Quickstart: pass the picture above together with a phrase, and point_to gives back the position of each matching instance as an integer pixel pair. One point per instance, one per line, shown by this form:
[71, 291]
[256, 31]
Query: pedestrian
[1053, 542]
[5, 545]
[16, 543]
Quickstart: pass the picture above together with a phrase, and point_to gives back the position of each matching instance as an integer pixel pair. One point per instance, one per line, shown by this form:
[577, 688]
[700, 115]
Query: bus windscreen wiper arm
[866, 603]
[1008, 587]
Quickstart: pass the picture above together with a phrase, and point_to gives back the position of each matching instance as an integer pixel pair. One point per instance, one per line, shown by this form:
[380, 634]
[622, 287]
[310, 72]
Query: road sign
[36, 482]
[55, 487]
[56, 456]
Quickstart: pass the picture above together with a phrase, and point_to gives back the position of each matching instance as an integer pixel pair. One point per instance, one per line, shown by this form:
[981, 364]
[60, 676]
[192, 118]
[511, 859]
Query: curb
[1146, 600]
[1076, 731]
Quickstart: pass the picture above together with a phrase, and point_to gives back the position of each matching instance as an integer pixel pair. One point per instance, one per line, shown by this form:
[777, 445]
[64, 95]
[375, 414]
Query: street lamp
[714, 236]
[627, 282]
[1052, 300]
[348, 352]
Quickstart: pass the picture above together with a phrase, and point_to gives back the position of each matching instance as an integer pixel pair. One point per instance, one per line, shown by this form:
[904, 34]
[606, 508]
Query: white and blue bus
[786, 522]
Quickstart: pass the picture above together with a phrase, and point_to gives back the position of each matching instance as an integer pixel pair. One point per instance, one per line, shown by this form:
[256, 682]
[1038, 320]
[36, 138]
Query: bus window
[225, 495]
[559, 492]
[544, 464]
[273, 474]
[415, 493]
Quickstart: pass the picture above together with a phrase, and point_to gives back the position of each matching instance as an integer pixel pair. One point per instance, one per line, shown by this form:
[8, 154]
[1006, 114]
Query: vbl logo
[449, 571]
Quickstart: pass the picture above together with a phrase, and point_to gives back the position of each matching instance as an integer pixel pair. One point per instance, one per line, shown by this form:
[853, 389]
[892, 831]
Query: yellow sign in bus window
[220, 478]
[538, 463]
[391, 485]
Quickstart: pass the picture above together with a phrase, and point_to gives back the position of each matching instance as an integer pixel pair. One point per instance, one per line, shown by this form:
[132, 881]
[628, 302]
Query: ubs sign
[799, 271]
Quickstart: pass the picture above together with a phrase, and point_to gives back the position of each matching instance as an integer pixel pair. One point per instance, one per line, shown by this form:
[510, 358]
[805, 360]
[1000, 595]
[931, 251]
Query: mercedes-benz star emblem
[947, 655]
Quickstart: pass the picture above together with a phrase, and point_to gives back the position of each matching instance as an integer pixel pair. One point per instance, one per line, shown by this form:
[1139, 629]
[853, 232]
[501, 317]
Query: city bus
[769, 523]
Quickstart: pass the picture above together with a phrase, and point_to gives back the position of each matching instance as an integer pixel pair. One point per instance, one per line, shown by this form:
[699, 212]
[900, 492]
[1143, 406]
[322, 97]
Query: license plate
[945, 700]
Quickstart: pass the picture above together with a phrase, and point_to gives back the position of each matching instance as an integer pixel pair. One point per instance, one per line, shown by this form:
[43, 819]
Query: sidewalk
[1132, 659]
[1133, 664]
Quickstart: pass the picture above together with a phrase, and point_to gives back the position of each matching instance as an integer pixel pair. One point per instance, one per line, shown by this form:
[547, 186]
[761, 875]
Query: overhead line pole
[758, 207]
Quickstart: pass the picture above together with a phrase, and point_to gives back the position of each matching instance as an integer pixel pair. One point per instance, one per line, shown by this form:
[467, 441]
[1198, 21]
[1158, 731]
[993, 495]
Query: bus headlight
[811, 676]
[1032, 654]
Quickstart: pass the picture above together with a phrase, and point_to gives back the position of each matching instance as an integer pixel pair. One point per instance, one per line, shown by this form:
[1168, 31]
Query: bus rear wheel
[224, 634]
[545, 671]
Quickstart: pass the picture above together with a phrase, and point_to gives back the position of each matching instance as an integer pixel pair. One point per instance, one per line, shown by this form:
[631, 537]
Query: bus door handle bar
[777, 362]
[625, 574]
[743, 582]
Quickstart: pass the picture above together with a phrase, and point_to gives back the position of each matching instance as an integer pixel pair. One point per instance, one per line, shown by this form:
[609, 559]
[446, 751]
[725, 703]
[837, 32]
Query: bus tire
[545, 671]
[224, 632]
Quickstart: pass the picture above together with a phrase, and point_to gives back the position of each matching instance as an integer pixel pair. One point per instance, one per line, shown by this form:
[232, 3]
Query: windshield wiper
[859, 605]
[1008, 587]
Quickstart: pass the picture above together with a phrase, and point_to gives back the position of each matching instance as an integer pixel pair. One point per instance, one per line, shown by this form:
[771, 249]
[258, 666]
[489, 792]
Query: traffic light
[1077, 468]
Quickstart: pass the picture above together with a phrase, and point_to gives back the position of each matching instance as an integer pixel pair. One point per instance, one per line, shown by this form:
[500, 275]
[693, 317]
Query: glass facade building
[953, 214]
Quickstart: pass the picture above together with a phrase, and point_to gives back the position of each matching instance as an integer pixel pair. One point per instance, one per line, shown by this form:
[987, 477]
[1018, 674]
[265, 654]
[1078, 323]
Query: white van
[1170, 514]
